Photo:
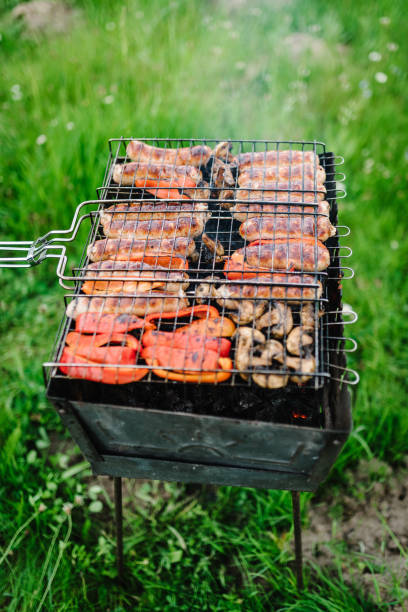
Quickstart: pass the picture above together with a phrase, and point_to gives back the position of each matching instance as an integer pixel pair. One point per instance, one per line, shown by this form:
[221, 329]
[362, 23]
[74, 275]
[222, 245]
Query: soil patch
[365, 527]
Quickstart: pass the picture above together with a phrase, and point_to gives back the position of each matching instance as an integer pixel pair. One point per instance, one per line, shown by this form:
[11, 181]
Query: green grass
[191, 69]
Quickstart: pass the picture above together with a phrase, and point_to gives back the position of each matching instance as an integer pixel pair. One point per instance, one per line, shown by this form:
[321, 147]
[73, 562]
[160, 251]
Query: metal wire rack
[209, 203]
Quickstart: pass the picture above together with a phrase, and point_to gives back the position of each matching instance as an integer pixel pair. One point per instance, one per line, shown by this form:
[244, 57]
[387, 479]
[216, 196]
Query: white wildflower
[42, 139]
[16, 93]
[70, 126]
[217, 50]
[380, 77]
[255, 11]
[394, 244]
[42, 507]
[67, 508]
[240, 65]
[347, 308]
[78, 500]
[108, 99]
[368, 165]
[233, 34]
[385, 21]
[110, 26]
[392, 46]
[227, 25]
[374, 56]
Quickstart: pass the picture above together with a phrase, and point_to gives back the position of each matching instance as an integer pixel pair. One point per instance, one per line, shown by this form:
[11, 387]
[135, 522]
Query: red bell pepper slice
[186, 341]
[163, 189]
[197, 311]
[83, 342]
[224, 363]
[90, 370]
[219, 326]
[181, 359]
[94, 323]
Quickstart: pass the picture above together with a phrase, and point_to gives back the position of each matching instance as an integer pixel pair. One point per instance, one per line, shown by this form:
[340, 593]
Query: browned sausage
[128, 249]
[276, 290]
[191, 226]
[126, 174]
[144, 153]
[290, 173]
[245, 210]
[281, 226]
[274, 158]
[139, 305]
[304, 254]
[142, 278]
[143, 211]
[271, 195]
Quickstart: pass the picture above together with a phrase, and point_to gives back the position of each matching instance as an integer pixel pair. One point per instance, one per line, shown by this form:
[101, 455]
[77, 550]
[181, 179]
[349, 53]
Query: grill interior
[301, 404]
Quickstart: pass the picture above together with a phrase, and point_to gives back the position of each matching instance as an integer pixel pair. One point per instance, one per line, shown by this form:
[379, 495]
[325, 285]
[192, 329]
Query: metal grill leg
[298, 539]
[119, 526]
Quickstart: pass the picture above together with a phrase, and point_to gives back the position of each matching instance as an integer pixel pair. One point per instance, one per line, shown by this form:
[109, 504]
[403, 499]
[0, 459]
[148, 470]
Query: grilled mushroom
[222, 150]
[246, 337]
[279, 319]
[247, 311]
[222, 175]
[307, 316]
[206, 291]
[271, 381]
[270, 351]
[306, 365]
[226, 198]
[299, 341]
[215, 247]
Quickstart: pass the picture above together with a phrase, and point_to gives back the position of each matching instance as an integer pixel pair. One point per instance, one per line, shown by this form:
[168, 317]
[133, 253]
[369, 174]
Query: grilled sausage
[273, 173]
[245, 210]
[154, 228]
[273, 158]
[128, 249]
[138, 305]
[277, 226]
[142, 211]
[126, 174]
[296, 287]
[305, 254]
[297, 187]
[142, 278]
[144, 153]
[271, 195]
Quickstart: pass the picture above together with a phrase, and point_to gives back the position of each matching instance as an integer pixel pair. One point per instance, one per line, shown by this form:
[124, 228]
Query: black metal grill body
[287, 439]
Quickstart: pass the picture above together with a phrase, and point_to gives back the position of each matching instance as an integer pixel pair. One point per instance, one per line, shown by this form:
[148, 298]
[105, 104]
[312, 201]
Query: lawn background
[192, 69]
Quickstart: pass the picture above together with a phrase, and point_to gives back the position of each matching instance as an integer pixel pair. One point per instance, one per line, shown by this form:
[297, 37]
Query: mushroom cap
[299, 341]
[306, 365]
[279, 319]
[248, 311]
[246, 337]
[271, 381]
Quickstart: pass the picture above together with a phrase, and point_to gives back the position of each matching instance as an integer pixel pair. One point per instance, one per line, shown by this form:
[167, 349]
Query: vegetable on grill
[186, 341]
[88, 353]
[96, 323]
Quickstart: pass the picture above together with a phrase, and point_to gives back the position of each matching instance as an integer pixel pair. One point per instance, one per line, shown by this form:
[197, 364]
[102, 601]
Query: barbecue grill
[233, 432]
